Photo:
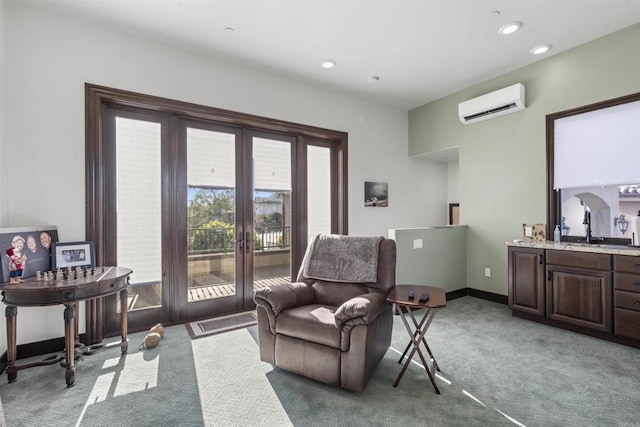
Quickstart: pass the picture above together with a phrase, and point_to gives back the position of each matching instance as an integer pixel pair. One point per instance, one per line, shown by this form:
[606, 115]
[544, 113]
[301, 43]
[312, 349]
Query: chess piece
[38, 275]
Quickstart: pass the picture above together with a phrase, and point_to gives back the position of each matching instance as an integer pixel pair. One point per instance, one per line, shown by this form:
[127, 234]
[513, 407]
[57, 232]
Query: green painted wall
[502, 161]
[431, 264]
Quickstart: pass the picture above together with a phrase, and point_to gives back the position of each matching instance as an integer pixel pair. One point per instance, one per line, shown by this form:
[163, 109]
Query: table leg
[124, 344]
[76, 334]
[424, 324]
[69, 344]
[11, 313]
[416, 332]
[426, 321]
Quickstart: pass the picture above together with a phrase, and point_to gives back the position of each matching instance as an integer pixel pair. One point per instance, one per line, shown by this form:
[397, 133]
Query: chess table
[68, 290]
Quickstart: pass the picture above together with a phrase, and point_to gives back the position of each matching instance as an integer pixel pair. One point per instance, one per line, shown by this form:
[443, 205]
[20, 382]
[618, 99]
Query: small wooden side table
[102, 282]
[399, 297]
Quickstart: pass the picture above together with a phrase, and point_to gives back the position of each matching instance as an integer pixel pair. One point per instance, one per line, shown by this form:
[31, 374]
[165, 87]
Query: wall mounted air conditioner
[494, 104]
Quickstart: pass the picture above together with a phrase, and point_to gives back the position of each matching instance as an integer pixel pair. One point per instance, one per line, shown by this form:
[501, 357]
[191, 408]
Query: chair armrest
[366, 308]
[281, 297]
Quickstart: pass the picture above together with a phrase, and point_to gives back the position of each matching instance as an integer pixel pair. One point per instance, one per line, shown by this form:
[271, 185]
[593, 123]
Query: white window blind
[601, 147]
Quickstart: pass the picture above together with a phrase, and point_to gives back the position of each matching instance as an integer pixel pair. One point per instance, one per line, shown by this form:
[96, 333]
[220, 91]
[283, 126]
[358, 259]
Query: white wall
[50, 57]
[3, 154]
[3, 94]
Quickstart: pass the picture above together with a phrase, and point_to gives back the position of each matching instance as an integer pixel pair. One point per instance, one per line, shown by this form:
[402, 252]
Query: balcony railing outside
[221, 240]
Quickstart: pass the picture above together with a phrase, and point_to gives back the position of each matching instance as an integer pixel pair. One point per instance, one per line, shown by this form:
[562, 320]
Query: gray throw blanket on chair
[337, 258]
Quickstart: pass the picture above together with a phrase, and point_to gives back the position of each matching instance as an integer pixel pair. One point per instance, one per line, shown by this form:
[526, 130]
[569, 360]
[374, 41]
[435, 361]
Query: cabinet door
[580, 297]
[526, 280]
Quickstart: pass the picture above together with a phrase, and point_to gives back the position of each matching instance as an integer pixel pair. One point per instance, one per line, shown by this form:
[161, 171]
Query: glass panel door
[271, 212]
[213, 268]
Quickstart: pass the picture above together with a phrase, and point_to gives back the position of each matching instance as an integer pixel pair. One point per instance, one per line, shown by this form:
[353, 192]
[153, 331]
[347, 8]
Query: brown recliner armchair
[334, 323]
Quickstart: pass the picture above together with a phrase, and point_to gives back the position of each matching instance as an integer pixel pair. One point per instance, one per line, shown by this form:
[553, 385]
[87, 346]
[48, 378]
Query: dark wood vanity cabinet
[526, 280]
[626, 296]
[593, 293]
[578, 289]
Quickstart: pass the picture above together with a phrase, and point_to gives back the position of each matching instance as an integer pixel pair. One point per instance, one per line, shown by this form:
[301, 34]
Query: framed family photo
[32, 245]
[73, 254]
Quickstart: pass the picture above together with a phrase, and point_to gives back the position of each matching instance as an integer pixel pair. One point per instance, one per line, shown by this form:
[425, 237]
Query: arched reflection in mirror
[574, 207]
[606, 204]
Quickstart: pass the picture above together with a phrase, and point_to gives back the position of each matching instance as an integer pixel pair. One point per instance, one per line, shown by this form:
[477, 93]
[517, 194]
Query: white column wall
[49, 58]
[3, 151]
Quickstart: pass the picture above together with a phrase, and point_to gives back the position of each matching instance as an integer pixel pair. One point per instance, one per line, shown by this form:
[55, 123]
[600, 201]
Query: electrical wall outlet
[417, 243]
[487, 272]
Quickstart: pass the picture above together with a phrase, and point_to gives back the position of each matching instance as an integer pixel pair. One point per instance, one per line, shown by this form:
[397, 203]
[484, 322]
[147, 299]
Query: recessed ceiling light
[230, 29]
[328, 63]
[540, 49]
[510, 28]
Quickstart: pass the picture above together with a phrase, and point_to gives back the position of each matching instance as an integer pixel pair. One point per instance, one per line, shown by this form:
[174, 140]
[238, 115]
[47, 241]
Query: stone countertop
[579, 247]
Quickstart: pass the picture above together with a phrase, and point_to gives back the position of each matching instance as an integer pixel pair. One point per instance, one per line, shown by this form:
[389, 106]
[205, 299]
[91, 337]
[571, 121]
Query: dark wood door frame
[98, 229]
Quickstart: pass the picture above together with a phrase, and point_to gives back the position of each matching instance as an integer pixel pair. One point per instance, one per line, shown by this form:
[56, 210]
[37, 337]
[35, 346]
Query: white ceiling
[421, 50]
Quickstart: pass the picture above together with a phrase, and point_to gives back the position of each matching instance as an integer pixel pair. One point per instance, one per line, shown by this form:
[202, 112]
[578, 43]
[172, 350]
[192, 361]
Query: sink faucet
[587, 225]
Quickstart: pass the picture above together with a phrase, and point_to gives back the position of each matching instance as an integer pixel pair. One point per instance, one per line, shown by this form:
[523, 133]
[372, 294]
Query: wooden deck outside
[229, 289]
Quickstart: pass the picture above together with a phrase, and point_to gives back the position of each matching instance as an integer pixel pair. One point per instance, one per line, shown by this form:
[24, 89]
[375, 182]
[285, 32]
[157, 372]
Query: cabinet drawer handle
[637, 302]
[637, 265]
[540, 259]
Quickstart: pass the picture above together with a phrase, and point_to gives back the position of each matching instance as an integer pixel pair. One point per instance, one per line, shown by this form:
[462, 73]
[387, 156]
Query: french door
[238, 215]
[204, 209]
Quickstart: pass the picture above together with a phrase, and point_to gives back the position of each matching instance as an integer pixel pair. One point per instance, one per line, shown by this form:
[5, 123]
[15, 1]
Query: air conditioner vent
[494, 104]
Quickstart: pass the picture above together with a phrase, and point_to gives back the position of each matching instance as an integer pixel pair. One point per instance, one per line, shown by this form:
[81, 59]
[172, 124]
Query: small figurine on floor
[16, 268]
[153, 337]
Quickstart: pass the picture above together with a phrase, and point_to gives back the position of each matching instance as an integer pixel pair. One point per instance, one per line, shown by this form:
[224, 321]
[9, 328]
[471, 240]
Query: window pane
[139, 207]
[318, 191]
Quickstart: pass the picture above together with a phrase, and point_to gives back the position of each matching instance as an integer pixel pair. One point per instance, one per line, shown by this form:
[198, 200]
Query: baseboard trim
[490, 296]
[476, 293]
[451, 295]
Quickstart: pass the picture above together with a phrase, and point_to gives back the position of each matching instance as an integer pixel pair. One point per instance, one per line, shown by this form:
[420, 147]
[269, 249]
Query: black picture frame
[37, 242]
[66, 255]
[376, 194]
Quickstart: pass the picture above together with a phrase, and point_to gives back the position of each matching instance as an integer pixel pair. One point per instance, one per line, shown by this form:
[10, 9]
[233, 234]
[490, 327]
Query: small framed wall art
[376, 194]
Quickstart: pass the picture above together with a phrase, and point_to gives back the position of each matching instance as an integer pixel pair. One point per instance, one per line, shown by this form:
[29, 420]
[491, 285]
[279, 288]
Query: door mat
[203, 328]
